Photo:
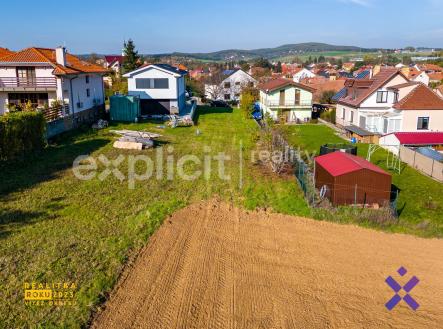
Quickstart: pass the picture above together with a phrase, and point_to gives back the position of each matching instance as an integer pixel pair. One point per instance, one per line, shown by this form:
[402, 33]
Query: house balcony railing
[14, 82]
[292, 103]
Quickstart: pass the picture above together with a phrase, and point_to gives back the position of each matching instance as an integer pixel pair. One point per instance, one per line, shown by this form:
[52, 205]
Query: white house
[231, 86]
[303, 73]
[42, 76]
[161, 88]
[114, 62]
[286, 100]
[386, 103]
[416, 75]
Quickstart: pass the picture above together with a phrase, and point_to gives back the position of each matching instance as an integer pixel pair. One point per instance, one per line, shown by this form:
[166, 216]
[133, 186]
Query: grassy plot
[57, 228]
[420, 202]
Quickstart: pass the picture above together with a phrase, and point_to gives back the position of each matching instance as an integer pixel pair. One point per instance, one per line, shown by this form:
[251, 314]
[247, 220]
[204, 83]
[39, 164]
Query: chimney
[60, 55]
[376, 70]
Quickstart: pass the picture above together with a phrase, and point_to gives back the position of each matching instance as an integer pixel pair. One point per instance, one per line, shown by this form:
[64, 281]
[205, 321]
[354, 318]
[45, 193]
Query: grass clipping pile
[212, 265]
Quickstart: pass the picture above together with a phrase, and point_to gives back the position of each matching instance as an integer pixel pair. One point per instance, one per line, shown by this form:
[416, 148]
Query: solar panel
[340, 94]
[362, 75]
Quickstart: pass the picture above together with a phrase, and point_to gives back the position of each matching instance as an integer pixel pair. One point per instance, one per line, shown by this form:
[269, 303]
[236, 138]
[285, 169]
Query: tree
[321, 59]
[93, 58]
[132, 59]
[263, 62]
[244, 65]
[213, 85]
[406, 60]
[326, 97]
[247, 101]
[278, 68]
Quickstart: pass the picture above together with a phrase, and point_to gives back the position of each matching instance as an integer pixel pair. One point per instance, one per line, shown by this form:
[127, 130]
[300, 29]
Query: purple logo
[407, 288]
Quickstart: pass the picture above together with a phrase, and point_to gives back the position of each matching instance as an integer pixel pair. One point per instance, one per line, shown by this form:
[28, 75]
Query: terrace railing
[291, 103]
[14, 82]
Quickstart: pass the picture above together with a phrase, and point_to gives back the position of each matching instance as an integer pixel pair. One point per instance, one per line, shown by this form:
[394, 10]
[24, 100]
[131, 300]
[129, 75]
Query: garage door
[154, 106]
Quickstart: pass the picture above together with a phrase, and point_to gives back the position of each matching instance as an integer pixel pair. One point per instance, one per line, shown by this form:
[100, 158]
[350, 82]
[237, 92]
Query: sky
[164, 26]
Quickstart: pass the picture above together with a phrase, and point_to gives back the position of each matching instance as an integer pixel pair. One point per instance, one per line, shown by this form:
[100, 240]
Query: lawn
[420, 202]
[57, 228]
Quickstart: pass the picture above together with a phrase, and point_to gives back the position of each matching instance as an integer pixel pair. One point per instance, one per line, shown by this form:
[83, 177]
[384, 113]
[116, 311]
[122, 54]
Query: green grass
[420, 202]
[57, 228]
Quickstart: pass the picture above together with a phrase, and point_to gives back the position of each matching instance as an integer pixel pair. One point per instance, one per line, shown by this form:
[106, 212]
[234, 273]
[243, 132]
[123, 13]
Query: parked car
[219, 103]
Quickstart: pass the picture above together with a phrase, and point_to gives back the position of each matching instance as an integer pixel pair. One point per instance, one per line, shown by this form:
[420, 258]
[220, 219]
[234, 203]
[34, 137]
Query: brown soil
[215, 266]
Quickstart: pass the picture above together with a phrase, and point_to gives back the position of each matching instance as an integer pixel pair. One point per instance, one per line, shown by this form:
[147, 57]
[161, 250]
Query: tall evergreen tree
[132, 59]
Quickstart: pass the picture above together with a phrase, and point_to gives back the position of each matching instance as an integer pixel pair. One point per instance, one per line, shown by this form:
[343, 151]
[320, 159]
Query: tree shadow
[210, 110]
[36, 168]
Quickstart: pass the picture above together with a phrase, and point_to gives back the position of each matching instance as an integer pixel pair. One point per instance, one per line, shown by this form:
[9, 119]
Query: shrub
[21, 132]
[328, 116]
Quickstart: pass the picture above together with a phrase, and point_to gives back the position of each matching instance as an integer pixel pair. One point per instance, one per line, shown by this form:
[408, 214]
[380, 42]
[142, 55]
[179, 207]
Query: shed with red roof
[347, 179]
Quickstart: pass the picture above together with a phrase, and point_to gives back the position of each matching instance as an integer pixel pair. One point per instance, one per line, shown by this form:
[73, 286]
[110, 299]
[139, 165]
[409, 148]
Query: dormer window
[382, 96]
[396, 97]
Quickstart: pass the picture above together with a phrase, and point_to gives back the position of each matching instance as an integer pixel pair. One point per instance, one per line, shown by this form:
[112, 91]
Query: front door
[282, 98]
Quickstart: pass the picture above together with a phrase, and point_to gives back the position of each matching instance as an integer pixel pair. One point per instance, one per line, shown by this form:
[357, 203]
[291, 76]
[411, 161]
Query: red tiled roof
[340, 163]
[282, 82]
[436, 76]
[419, 138]
[74, 65]
[431, 67]
[322, 84]
[114, 58]
[420, 98]
[5, 52]
[365, 88]
[403, 85]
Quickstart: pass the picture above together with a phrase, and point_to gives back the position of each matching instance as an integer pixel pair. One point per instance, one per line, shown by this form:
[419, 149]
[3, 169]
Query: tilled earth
[212, 265]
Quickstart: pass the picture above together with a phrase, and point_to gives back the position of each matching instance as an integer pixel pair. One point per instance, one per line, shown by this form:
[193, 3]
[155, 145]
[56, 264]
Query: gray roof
[171, 69]
[359, 131]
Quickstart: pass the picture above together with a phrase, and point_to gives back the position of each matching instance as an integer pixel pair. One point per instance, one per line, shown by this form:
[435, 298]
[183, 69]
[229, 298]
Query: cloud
[364, 3]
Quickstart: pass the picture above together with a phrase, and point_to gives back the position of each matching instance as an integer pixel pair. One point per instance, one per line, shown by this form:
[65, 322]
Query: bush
[21, 132]
[329, 116]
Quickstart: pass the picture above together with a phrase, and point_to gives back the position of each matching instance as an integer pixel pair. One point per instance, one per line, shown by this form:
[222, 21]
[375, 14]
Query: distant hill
[269, 53]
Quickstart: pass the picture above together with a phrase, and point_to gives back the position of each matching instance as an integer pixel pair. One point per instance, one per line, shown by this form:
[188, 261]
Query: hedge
[20, 133]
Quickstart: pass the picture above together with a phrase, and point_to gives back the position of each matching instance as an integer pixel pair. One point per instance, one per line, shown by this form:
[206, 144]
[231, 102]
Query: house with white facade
[302, 74]
[416, 75]
[160, 87]
[286, 101]
[231, 86]
[43, 76]
[387, 103]
[114, 63]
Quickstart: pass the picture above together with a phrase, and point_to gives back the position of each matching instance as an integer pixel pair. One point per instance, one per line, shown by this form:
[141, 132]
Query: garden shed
[347, 179]
[124, 108]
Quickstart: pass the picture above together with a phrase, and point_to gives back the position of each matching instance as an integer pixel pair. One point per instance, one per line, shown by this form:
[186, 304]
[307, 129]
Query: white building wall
[79, 92]
[237, 81]
[153, 73]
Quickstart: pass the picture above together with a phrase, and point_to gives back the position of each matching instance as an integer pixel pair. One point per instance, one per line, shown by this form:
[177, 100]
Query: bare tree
[214, 88]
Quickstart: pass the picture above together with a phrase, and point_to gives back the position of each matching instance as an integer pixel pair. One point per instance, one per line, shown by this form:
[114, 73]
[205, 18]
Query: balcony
[287, 104]
[27, 84]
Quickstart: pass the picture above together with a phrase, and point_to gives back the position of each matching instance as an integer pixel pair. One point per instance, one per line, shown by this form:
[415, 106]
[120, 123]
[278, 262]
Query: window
[237, 83]
[382, 96]
[88, 93]
[343, 114]
[423, 123]
[227, 97]
[87, 79]
[395, 97]
[227, 85]
[159, 83]
[352, 117]
[250, 84]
